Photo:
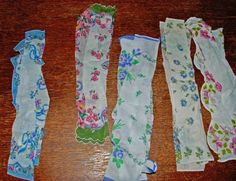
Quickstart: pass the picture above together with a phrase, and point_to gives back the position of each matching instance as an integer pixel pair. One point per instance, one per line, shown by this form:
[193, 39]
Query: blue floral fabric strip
[191, 150]
[31, 101]
[133, 113]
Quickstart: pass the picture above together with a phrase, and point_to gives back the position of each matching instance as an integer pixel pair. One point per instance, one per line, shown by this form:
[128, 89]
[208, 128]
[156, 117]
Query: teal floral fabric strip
[93, 38]
[31, 101]
[218, 93]
[133, 113]
[191, 148]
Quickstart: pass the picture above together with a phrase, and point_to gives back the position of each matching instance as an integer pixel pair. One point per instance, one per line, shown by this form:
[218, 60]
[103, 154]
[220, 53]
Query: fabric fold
[133, 113]
[191, 149]
[218, 93]
[31, 101]
[93, 38]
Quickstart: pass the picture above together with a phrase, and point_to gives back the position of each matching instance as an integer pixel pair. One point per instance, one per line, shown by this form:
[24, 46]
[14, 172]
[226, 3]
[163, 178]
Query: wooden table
[62, 158]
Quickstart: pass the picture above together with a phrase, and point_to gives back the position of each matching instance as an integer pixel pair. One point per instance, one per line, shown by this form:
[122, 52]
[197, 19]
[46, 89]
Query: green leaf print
[216, 126]
[138, 93]
[129, 140]
[130, 77]
[188, 152]
[120, 101]
[117, 125]
[116, 141]
[135, 62]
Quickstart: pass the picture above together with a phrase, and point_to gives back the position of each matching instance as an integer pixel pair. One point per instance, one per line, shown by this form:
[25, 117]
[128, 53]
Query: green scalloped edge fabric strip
[99, 8]
[87, 135]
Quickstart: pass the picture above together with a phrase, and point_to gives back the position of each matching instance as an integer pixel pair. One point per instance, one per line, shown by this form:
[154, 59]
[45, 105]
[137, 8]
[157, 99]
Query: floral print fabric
[191, 149]
[31, 101]
[133, 113]
[93, 39]
[218, 93]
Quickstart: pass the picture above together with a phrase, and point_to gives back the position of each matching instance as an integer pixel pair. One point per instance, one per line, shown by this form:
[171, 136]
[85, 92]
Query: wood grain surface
[62, 158]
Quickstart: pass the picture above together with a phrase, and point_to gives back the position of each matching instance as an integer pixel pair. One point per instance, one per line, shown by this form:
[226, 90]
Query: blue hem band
[21, 176]
[39, 34]
[107, 179]
[132, 37]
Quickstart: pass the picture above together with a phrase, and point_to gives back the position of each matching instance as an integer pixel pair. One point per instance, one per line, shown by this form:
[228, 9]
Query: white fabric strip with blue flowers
[133, 113]
[191, 150]
[31, 101]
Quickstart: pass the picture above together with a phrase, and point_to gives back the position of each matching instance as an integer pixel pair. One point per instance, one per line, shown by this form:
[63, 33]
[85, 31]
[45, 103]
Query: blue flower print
[193, 88]
[176, 140]
[125, 60]
[180, 48]
[173, 80]
[190, 66]
[122, 74]
[184, 88]
[183, 103]
[183, 74]
[190, 121]
[118, 153]
[176, 62]
[136, 52]
[195, 97]
[191, 74]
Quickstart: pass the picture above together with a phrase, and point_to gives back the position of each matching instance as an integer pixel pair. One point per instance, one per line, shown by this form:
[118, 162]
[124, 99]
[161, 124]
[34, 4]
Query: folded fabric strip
[93, 39]
[191, 149]
[218, 93]
[31, 101]
[133, 113]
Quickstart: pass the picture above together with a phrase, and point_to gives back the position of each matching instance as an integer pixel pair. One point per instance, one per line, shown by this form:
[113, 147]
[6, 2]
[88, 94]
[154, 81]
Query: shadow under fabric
[31, 101]
[191, 150]
[93, 38]
[133, 113]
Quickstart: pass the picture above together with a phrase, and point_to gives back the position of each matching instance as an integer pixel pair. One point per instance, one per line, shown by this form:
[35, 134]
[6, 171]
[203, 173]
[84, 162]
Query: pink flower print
[101, 38]
[81, 24]
[95, 75]
[95, 117]
[99, 56]
[98, 21]
[206, 94]
[96, 72]
[80, 123]
[86, 14]
[90, 110]
[204, 34]
[219, 144]
[209, 76]
[218, 86]
[93, 53]
[233, 145]
[103, 26]
[94, 78]
[89, 118]
[94, 125]
[95, 96]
